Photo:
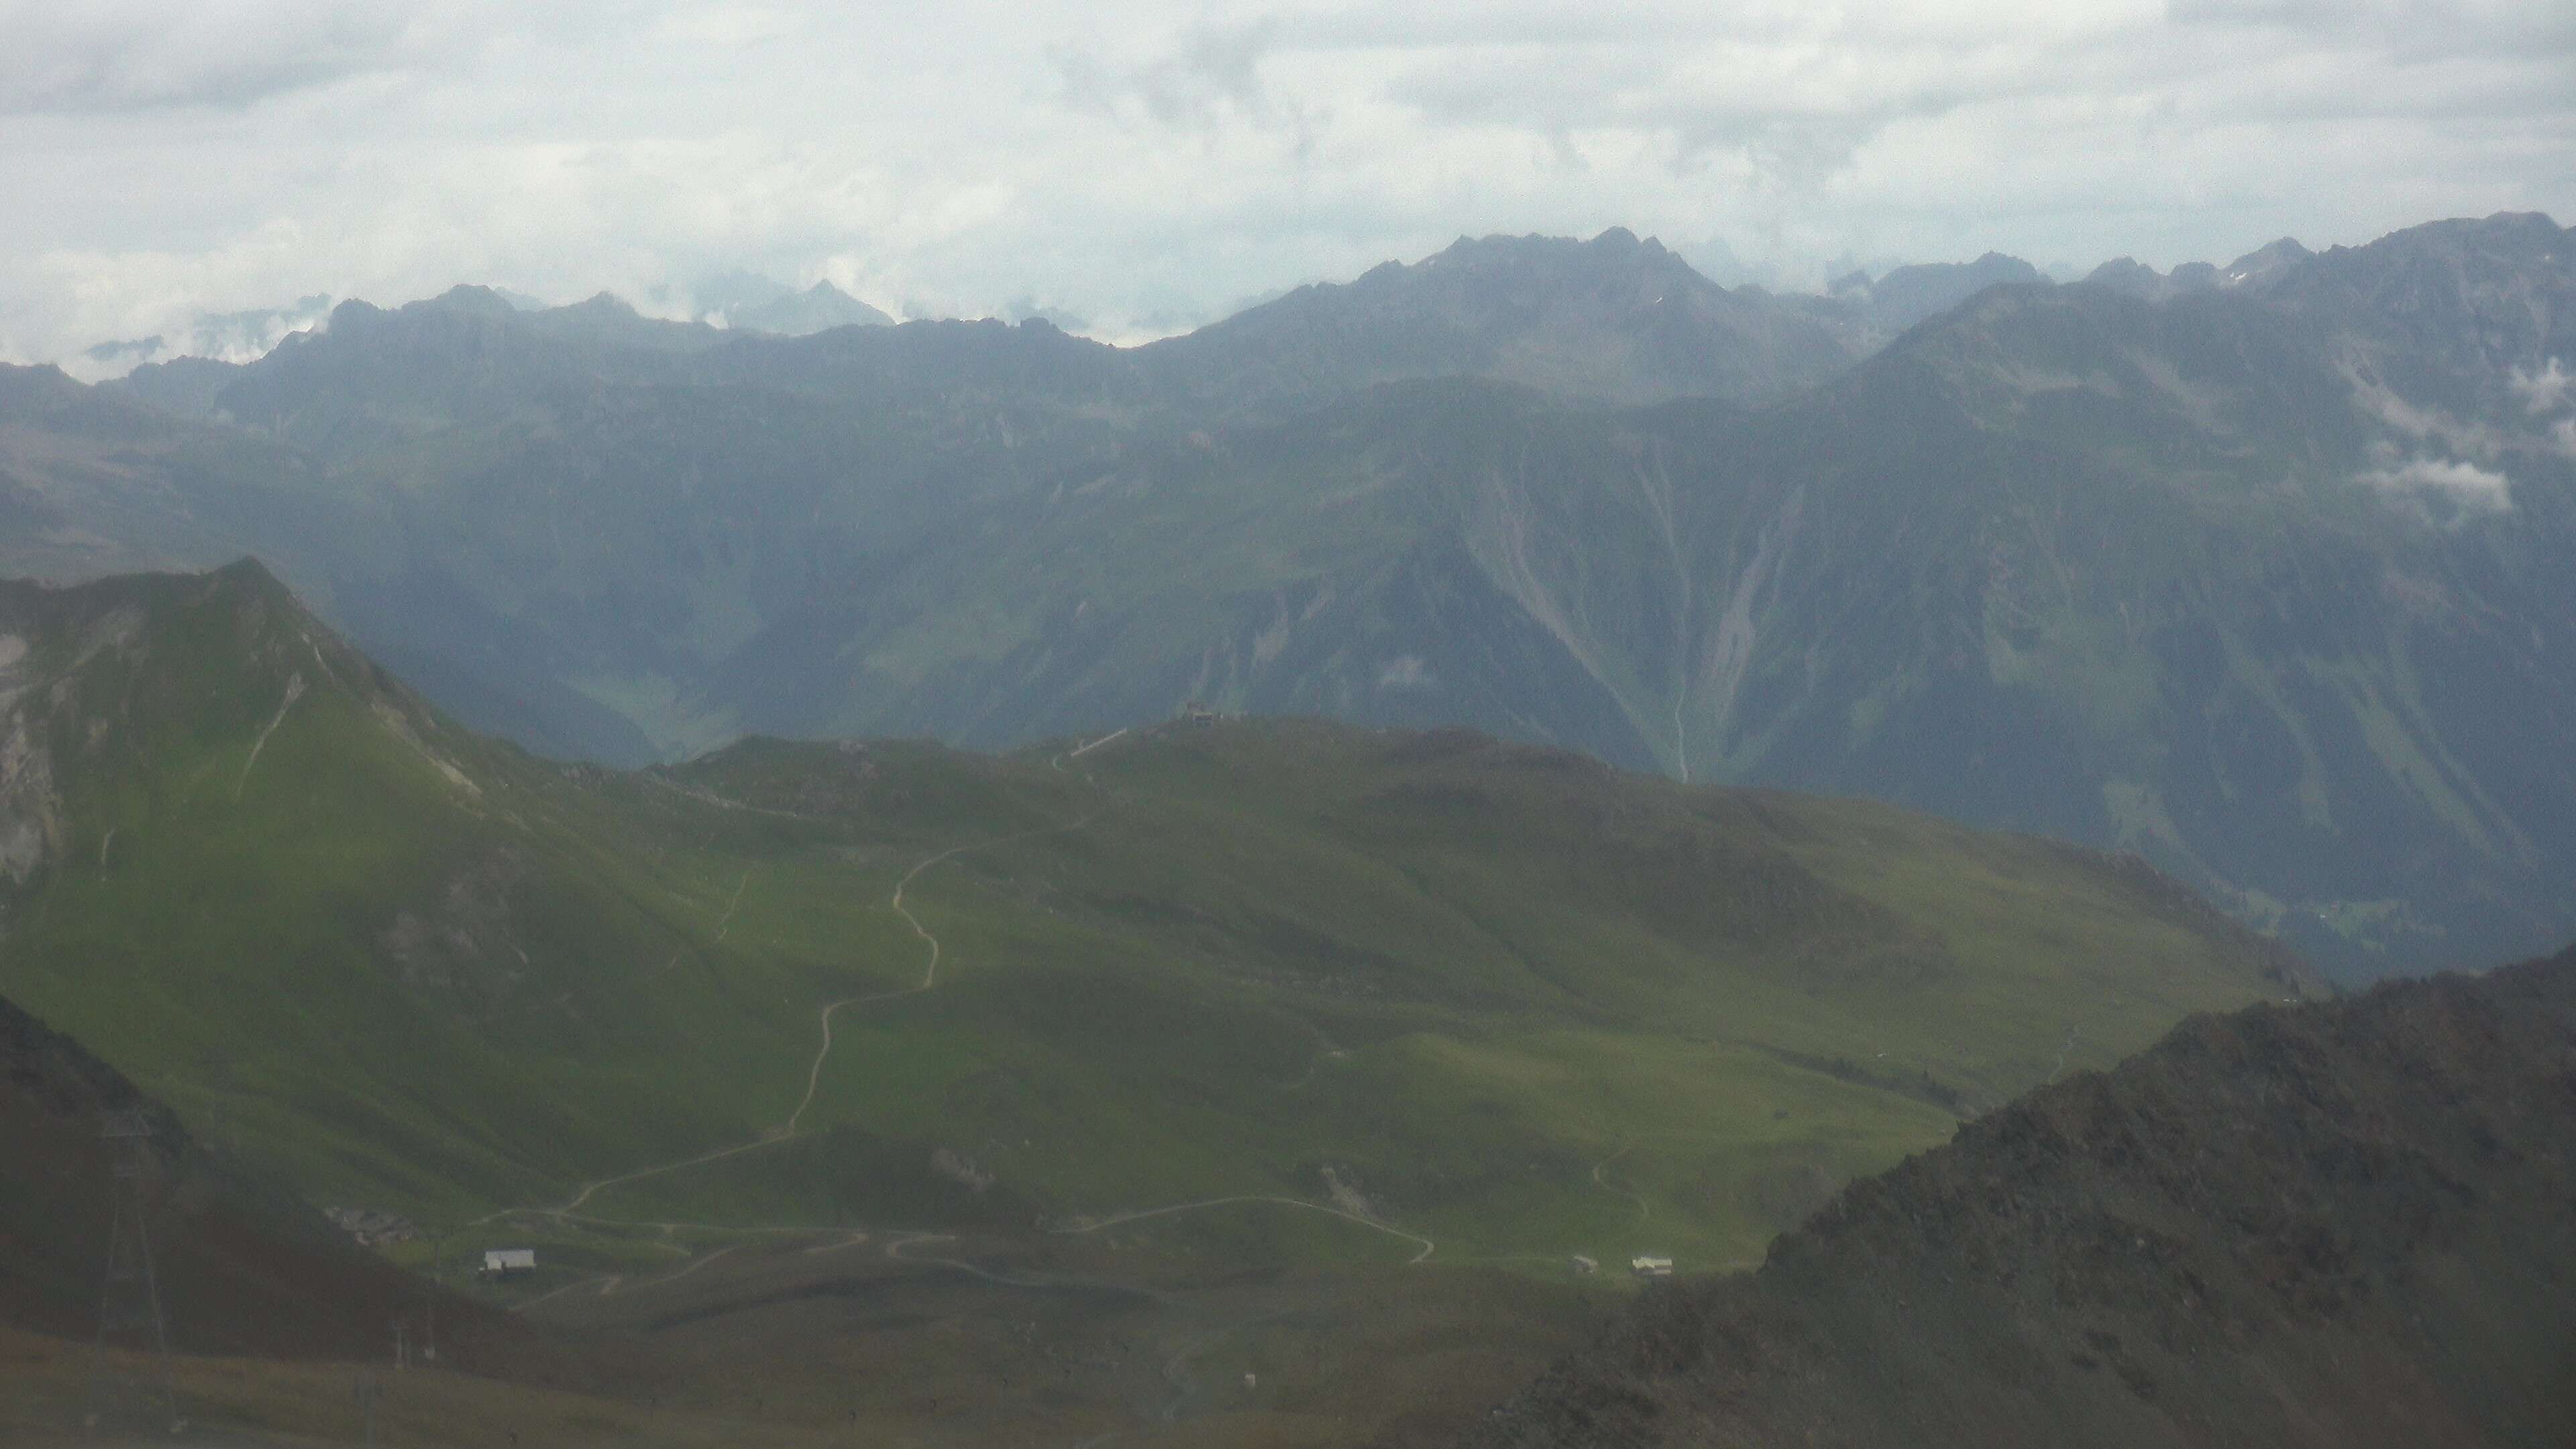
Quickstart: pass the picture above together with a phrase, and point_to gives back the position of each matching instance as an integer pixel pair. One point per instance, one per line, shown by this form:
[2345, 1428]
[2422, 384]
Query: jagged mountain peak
[1616, 267]
[2523, 247]
[1615, 247]
[604, 303]
[466, 305]
[1615, 317]
[44, 397]
[474, 299]
[2264, 263]
[755, 305]
[1908, 295]
[464, 300]
[2128, 275]
[35, 385]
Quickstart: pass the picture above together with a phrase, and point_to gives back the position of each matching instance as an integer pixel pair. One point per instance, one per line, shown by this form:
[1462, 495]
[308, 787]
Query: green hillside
[2244, 572]
[1381, 991]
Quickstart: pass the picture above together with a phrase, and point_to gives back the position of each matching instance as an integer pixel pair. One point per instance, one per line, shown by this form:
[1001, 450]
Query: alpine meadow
[923, 727]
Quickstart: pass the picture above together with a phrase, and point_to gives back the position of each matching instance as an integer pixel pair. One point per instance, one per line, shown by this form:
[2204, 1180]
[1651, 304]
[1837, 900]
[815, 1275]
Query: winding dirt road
[793, 1127]
[1601, 1180]
[1097, 1224]
[929, 971]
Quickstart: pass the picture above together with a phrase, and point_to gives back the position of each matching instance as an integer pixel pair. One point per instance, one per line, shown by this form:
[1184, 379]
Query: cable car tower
[130, 1322]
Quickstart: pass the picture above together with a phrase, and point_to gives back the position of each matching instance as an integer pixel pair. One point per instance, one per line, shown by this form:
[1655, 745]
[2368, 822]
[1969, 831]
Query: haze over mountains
[737, 301]
[2256, 570]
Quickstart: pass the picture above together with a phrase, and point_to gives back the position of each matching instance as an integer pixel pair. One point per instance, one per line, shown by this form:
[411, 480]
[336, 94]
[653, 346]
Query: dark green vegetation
[2259, 572]
[1427, 995]
[242, 1269]
[2350, 1224]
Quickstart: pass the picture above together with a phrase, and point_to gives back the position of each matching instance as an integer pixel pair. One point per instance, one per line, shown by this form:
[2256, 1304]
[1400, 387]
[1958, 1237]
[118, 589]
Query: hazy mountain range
[2256, 569]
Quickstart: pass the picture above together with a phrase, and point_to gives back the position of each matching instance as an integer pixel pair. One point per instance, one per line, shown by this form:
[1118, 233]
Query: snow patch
[2545, 389]
[2466, 484]
[30, 810]
[112, 630]
[1407, 671]
[393, 720]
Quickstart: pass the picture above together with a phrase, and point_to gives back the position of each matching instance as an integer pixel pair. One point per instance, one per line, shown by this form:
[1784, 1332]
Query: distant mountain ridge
[1613, 318]
[1856, 312]
[816, 309]
[2247, 578]
[1910, 294]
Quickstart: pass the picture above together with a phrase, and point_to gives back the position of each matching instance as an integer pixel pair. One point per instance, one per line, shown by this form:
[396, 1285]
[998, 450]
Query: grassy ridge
[1501, 999]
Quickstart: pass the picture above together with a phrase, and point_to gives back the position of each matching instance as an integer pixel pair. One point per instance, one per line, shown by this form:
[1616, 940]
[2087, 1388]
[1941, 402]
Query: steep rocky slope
[2348, 1225]
[241, 1268]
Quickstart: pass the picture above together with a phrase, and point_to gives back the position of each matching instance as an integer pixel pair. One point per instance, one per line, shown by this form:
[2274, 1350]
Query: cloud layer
[1148, 164]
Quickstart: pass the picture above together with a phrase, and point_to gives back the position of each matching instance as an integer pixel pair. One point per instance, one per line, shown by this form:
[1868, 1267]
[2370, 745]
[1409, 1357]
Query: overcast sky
[1144, 165]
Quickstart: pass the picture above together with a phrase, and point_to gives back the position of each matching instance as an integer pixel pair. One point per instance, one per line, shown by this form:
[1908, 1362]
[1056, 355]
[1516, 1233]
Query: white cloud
[1144, 162]
[2547, 389]
[225, 337]
[1211, 74]
[143, 55]
[2466, 484]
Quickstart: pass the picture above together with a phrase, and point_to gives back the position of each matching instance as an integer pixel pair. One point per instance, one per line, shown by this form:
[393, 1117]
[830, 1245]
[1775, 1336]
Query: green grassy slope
[1507, 1002]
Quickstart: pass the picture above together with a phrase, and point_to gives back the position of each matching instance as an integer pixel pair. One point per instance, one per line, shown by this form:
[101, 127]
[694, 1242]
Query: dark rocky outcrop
[2349, 1224]
[242, 1269]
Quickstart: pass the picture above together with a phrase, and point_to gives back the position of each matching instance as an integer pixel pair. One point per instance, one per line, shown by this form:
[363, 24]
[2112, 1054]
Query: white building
[502, 1262]
[1648, 1267]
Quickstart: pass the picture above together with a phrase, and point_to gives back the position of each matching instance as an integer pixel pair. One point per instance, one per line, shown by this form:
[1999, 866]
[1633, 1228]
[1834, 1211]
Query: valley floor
[910, 1339]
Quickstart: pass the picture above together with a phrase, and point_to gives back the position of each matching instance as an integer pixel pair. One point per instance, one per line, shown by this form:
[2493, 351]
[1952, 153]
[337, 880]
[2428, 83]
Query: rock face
[2350, 1224]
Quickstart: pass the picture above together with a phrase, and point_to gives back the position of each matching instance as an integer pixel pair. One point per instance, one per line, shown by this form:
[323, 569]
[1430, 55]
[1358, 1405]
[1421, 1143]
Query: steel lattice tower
[129, 1300]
